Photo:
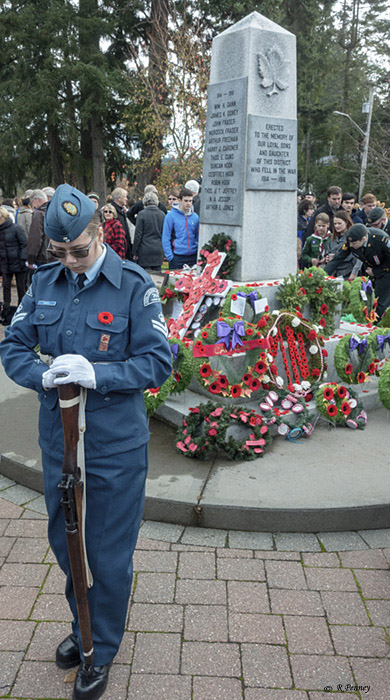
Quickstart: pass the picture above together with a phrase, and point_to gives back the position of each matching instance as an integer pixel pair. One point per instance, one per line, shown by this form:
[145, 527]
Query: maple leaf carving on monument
[274, 70]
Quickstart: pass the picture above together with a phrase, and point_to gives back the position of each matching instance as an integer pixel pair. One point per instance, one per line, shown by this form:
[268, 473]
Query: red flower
[312, 335]
[332, 410]
[260, 367]
[324, 309]
[205, 370]
[348, 369]
[105, 317]
[249, 331]
[234, 297]
[328, 393]
[204, 334]
[310, 274]
[214, 388]
[342, 392]
[318, 290]
[361, 377]
[261, 323]
[235, 390]
[247, 378]
[212, 432]
[223, 381]
[316, 372]
[253, 420]
[345, 408]
[154, 390]
[273, 369]
[324, 353]
[302, 291]
[198, 344]
[371, 367]
[322, 322]
[255, 384]
[266, 308]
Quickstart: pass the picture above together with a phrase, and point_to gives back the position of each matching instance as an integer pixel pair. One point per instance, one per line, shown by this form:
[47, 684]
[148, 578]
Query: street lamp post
[366, 137]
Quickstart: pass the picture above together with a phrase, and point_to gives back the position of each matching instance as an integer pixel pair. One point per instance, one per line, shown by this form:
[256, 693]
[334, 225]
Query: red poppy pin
[105, 317]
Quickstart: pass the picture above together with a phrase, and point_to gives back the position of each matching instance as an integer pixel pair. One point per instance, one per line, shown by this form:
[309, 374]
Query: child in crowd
[316, 246]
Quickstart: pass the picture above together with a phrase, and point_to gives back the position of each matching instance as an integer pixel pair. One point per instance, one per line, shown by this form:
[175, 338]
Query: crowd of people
[148, 230]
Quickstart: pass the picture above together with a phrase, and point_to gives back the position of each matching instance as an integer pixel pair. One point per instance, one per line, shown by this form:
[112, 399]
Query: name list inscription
[223, 166]
[272, 153]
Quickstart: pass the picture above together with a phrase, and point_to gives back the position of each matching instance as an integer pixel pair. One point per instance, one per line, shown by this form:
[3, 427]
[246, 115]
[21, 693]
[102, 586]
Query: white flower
[305, 385]
[279, 381]
[313, 349]
[297, 387]
[274, 331]
[317, 329]
[295, 322]
[275, 313]
[266, 378]
[270, 357]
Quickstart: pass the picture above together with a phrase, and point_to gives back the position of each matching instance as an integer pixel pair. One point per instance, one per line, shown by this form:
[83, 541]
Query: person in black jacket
[138, 206]
[13, 256]
[147, 247]
[372, 247]
[333, 204]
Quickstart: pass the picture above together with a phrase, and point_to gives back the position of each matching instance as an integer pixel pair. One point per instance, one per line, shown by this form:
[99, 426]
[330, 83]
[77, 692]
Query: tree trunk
[307, 165]
[56, 162]
[98, 161]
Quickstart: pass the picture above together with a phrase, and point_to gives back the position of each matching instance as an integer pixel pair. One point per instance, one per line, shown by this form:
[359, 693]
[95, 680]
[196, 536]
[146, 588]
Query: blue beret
[67, 214]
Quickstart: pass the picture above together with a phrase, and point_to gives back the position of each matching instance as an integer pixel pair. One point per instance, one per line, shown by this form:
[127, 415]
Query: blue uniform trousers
[115, 501]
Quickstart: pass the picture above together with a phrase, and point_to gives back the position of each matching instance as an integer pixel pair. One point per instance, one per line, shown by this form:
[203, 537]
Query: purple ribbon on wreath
[382, 339]
[252, 296]
[367, 286]
[175, 349]
[359, 345]
[224, 331]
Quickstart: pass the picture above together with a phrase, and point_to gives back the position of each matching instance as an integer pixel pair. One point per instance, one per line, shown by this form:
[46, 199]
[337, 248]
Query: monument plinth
[250, 159]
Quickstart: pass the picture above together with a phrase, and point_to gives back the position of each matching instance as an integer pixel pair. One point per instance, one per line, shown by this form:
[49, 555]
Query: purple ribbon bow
[382, 339]
[367, 286]
[252, 296]
[174, 349]
[224, 331]
[360, 345]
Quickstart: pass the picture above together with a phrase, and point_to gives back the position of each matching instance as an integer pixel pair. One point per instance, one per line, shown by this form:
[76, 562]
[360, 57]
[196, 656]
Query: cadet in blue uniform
[100, 319]
[373, 249]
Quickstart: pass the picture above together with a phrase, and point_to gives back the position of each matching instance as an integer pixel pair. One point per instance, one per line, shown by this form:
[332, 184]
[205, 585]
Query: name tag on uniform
[104, 340]
[42, 302]
[378, 262]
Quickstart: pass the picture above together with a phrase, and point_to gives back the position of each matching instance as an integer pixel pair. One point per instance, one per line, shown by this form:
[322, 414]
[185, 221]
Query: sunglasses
[75, 252]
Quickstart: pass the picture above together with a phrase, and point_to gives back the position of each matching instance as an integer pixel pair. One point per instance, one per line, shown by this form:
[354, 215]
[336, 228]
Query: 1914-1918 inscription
[272, 153]
[223, 167]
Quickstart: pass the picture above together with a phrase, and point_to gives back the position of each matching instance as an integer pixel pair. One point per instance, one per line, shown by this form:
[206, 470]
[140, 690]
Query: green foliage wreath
[363, 311]
[247, 289]
[182, 365]
[225, 244]
[384, 385]
[155, 397]
[341, 406]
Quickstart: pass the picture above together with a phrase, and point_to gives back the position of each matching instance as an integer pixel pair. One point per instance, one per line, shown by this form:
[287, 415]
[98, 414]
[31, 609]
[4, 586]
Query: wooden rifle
[72, 493]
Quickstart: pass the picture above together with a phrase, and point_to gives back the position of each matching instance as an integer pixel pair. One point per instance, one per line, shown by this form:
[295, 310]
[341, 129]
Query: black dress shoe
[67, 654]
[90, 685]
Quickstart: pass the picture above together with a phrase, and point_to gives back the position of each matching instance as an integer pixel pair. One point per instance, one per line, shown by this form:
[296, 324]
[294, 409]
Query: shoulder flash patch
[151, 296]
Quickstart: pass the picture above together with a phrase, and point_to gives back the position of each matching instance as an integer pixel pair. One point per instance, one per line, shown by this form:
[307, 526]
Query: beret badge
[70, 208]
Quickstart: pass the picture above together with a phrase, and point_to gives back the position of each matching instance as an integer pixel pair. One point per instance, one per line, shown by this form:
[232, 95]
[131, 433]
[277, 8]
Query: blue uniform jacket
[131, 352]
[180, 233]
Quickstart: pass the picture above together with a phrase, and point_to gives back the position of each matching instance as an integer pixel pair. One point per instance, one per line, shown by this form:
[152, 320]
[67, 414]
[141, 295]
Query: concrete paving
[214, 614]
[338, 479]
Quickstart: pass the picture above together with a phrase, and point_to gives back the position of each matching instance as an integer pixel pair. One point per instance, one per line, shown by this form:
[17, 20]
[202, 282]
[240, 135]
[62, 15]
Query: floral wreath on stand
[355, 360]
[206, 426]
[305, 348]
[311, 288]
[155, 397]
[251, 294]
[182, 365]
[341, 406]
[362, 300]
[222, 242]
[384, 385]
[287, 412]
[225, 338]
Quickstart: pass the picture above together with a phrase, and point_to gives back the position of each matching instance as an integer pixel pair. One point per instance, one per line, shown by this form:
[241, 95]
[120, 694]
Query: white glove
[75, 368]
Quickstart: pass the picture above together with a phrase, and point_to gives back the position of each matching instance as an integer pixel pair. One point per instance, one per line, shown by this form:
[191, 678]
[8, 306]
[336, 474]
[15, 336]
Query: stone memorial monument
[250, 159]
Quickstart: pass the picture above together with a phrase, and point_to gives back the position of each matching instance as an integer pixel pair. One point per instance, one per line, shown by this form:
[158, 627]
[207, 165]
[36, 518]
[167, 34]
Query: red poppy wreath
[218, 367]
